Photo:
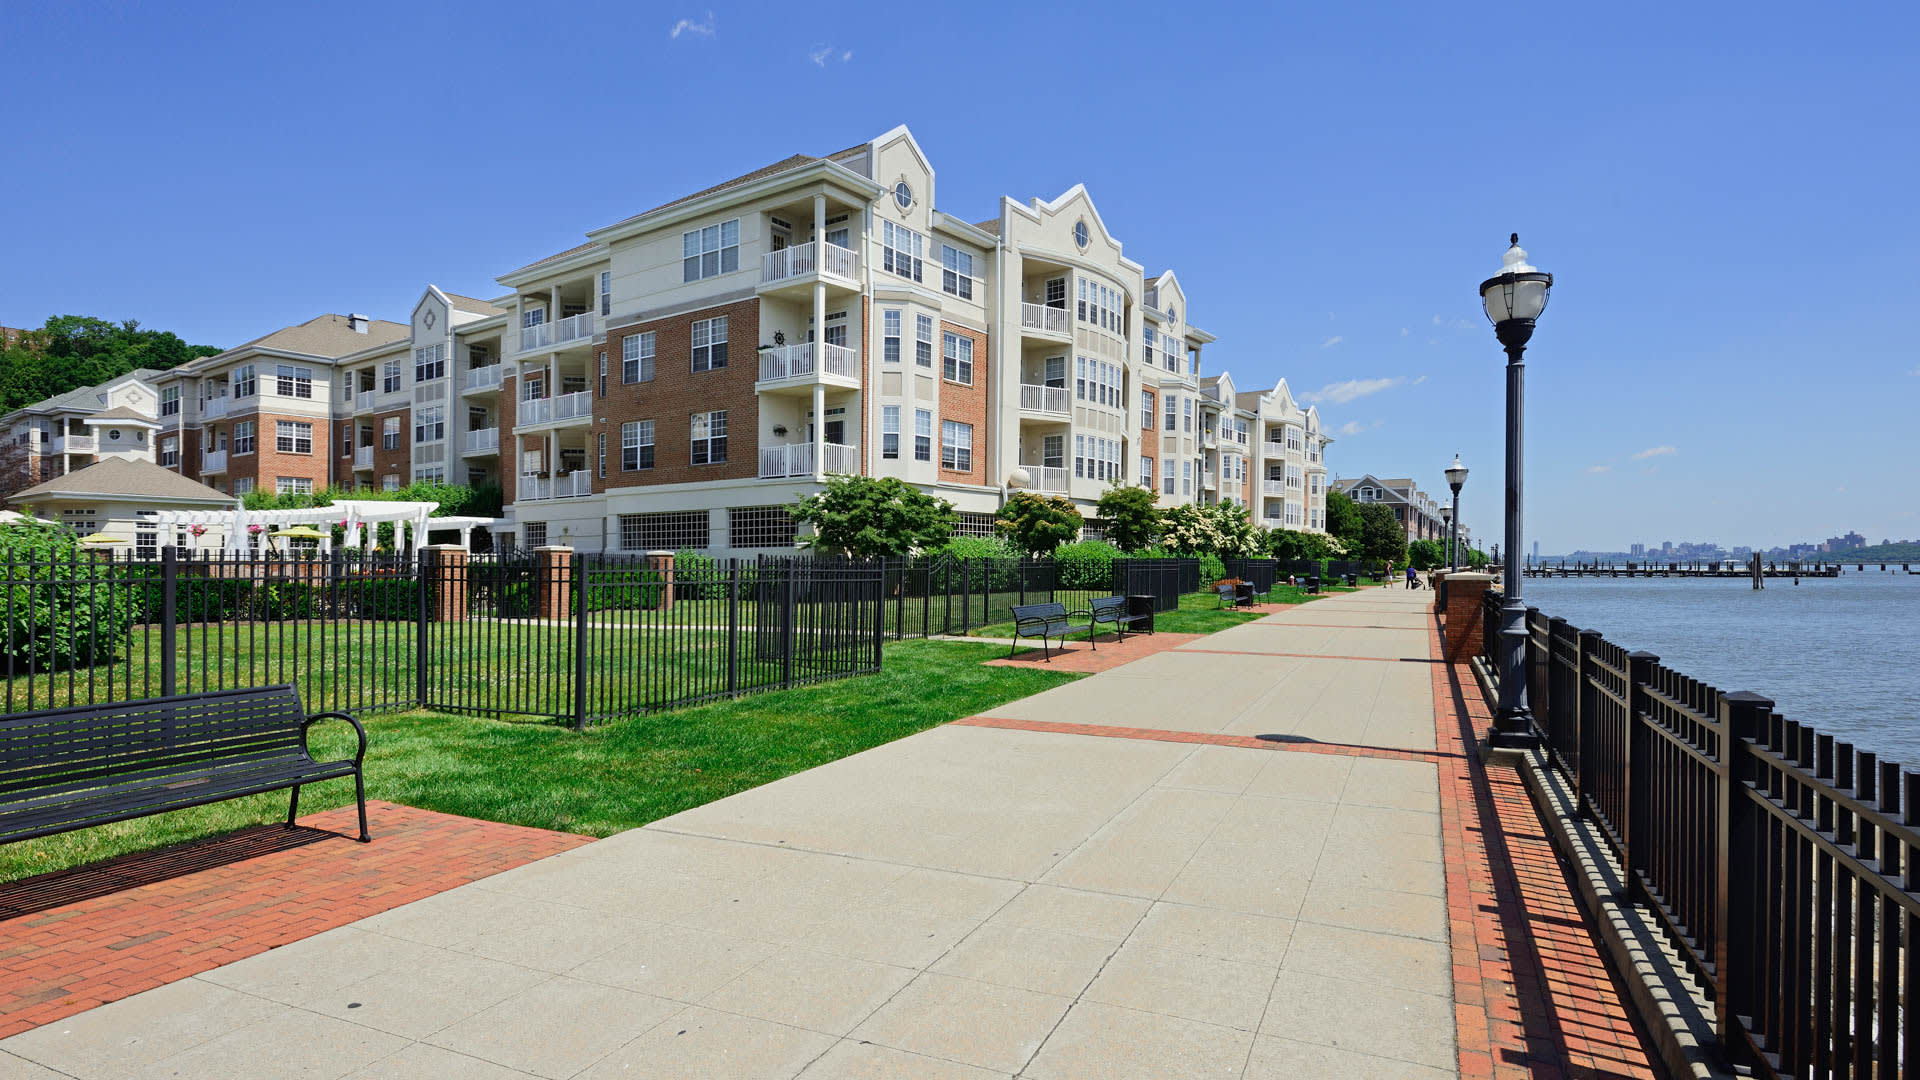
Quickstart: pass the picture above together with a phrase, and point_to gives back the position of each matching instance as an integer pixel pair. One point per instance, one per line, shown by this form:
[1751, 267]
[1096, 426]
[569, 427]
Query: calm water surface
[1841, 654]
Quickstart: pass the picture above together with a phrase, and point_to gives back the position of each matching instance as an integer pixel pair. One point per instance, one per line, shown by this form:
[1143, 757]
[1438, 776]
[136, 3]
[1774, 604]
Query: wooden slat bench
[73, 768]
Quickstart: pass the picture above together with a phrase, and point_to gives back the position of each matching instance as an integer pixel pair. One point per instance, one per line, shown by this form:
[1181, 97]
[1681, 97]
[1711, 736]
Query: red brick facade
[397, 461]
[676, 392]
[965, 404]
[267, 464]
[509, 441]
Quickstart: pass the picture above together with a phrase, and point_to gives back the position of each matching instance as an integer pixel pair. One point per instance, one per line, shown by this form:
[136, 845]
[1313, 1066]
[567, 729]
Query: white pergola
[411, 522]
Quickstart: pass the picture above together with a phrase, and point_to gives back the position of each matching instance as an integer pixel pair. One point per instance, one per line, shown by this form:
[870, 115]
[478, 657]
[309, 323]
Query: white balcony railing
[1208, 438]
[1209, 479]
[76, 444]
[555, 409]
[1045, 399]
[796, 361]
[363, 401]
[571, 485]
[796, 459]
[1273, 487]
[483, 440]
[1048, 477]
[1052, 320]
[213, 461]
[213, 408]
[801, 260]
[363, 457]
[483, 378]
[538, 336]
[573, 328]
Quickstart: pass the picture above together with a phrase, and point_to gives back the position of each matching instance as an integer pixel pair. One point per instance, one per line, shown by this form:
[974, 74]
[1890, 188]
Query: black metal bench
[1236, 596]
[1043, 621]
[1114, 610]
[73, 768]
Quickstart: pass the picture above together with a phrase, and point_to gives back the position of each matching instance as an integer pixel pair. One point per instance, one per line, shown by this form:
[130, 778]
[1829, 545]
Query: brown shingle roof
[121, 412]
[125, 476]
[327, 335]
[991, 225]
[468, 303]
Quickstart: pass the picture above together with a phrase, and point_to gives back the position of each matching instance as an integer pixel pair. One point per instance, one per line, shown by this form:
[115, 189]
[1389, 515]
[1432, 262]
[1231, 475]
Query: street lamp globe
[1456, 475]
[1516, 296]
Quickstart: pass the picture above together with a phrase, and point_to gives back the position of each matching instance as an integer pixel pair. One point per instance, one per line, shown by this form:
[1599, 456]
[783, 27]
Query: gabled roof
[125, 478]
[326, 335]
[991, 225]
[90, 398]
[468, 303]
[121, 412]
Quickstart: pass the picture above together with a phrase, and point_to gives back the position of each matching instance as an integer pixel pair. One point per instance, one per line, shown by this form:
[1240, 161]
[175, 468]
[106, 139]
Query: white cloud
[1655, 451]
[1452, 324]
[1419, 380]
[1404, 331]
[1342, 392]
[846, 56]
[822, 54]
[697, 29]
[1332, 341]
[1352, 428]
[1599, 468]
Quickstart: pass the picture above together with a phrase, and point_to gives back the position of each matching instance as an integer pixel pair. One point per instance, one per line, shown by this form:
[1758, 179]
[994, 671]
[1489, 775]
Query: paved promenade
[1254, 855]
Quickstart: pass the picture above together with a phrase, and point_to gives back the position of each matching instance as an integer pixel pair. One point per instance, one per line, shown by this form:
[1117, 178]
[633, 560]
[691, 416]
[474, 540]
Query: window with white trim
[243, 437]
[430, 424]
[390, 374]
[430, 363]
[170, 401]
[1053, 452]
[390, 433]
[606, 293]
[430, 474]
[956, 358]
[1146, 410]
[923, 340]
[292, 437]
[1148, 336]
[243, 382]
[710, 251]
[1186, 478]
[1186, 422]
[636, 445]
[1173, 412]
[242, 485]
[901, 250]
[890, 337]
[710, 437]
[890, 431]
[170, 451]
[1079, 456]
[956, 272]
[762, 527]
[674, 530]
[1079, 378]
[636, 357]
[1146, 472]
[600, 457]
[922, 435]
[710, 344]
[293, 485]
[956, 446]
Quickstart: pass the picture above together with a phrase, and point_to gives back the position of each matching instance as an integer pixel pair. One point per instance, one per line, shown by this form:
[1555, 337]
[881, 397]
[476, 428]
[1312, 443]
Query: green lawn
[612, 777]
[1199, 613]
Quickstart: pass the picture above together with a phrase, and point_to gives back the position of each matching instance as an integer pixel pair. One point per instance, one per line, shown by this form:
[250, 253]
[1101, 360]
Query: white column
[819, 339]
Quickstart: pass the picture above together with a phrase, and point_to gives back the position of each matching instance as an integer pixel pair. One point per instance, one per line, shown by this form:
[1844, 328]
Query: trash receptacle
[1243, 594]
[1313, 583]
[1353, 581]
[1140, 606]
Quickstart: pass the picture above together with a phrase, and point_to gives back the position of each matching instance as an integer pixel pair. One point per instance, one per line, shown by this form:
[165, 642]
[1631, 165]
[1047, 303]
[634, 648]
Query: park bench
[1113, 610]
[1240, 595]
[1043, 621]
[73, 768]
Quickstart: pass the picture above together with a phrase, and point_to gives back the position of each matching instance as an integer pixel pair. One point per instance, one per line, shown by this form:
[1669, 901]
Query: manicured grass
[612, 777]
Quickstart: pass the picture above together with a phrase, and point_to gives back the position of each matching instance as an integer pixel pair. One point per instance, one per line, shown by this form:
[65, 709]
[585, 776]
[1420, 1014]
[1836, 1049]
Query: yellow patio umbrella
[300, 532]
[101, 538]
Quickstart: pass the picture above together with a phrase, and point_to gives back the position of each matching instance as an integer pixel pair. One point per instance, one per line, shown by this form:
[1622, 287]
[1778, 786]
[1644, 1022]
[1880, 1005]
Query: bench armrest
[360, 754]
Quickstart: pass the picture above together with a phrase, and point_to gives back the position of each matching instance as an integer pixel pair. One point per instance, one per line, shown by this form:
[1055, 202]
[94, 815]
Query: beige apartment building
[70, 431]
[1419, 513]
[682, 376]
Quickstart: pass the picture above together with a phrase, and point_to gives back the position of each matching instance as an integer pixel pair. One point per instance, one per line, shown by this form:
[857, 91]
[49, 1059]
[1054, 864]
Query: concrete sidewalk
[967, 902]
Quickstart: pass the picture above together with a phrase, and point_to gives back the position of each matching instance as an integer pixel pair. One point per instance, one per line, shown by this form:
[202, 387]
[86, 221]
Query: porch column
[819, 338]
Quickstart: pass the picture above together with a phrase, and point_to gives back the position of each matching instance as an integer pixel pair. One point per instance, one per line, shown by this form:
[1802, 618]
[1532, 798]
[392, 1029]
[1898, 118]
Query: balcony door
[1054, 372]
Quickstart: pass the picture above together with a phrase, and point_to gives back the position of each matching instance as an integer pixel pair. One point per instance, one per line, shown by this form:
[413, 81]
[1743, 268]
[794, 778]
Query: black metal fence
[575, 638]
[924, 597]
[1784, 865]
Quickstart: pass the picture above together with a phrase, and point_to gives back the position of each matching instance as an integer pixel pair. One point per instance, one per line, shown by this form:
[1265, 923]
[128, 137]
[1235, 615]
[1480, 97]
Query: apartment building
[1419, 513]
[682, 376]
[1261, 450]
[70, 431]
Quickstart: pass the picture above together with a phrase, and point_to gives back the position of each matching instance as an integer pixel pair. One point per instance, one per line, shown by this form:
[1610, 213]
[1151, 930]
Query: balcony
[1208, 439]
[76, 444]
[794, 365]
[555, 335]
[482, 378]
[482, 441]
[1209, 480]
[573, 485]
[213, 408]
[1053, 401]
[1048, 478]
[363, 457]
[800, 265]
[1042, 319]
[1273, 487]
[363, 401]
[556, 410]
[796, 459]
[213, 461]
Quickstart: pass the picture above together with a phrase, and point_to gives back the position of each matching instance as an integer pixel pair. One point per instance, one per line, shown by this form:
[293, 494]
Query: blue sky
[1725, 194]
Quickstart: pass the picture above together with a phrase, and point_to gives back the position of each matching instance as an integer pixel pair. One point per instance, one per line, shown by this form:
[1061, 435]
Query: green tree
[1190, 530]
[867, 517]
[1039, 523]
[1381, 534]
[1133, 521]
[1239, 537]
[1427, 554]
[1343, 520]
[1294, 544]
[72, 351]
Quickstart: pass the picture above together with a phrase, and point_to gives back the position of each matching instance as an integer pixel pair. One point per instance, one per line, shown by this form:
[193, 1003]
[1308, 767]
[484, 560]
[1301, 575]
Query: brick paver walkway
[1103, 655]
[75, 939]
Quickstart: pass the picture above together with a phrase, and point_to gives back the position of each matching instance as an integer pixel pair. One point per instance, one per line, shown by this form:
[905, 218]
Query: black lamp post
[1456, 479]
[1513, 300]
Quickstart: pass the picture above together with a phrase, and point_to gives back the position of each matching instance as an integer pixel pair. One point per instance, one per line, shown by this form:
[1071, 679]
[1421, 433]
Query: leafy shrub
[981, 547]
[1211, 568]
[1131, 517]
[61, 608]
[1085, 565]
[696, 576]
[866, 517]
[1038, 523]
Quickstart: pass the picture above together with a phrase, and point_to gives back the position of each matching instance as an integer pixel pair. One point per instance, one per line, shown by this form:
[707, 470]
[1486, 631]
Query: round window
[113, 434]
[903, 194]
[1080, 234]
[1173, 313]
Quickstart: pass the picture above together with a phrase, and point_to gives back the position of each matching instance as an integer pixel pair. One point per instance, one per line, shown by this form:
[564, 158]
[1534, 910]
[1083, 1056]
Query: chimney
[358, 323]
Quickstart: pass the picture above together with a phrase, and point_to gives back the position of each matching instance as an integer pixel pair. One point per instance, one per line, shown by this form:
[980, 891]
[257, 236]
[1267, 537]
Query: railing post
[423, 613]
[1558, 715]
[1634, 831]
[1737, 884]
[879, 613]
[575, 567]
[169, 619]
[1586, 705]
[733, 629]
[787, 608]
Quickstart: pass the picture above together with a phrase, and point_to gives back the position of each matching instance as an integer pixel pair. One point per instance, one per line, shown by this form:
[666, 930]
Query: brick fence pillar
[552, 582]
[1464, 633]
[447, 567]
[661, 563]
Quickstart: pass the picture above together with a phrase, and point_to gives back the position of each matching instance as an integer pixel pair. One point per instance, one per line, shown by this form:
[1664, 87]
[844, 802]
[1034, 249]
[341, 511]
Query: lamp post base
[1514, 732]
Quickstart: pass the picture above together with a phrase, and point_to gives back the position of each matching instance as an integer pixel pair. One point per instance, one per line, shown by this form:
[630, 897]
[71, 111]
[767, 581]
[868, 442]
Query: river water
[1842, 654]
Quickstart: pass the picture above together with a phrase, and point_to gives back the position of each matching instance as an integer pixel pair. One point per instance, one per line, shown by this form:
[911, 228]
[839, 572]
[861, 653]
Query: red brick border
[1203, 738]
[78, 938]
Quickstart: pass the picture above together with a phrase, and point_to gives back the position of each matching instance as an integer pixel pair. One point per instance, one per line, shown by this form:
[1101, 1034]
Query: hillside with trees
[71, 351]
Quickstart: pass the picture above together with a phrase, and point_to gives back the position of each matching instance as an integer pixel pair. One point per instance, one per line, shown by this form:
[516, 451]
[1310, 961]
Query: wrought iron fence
[1784, 864]
[570, 637]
